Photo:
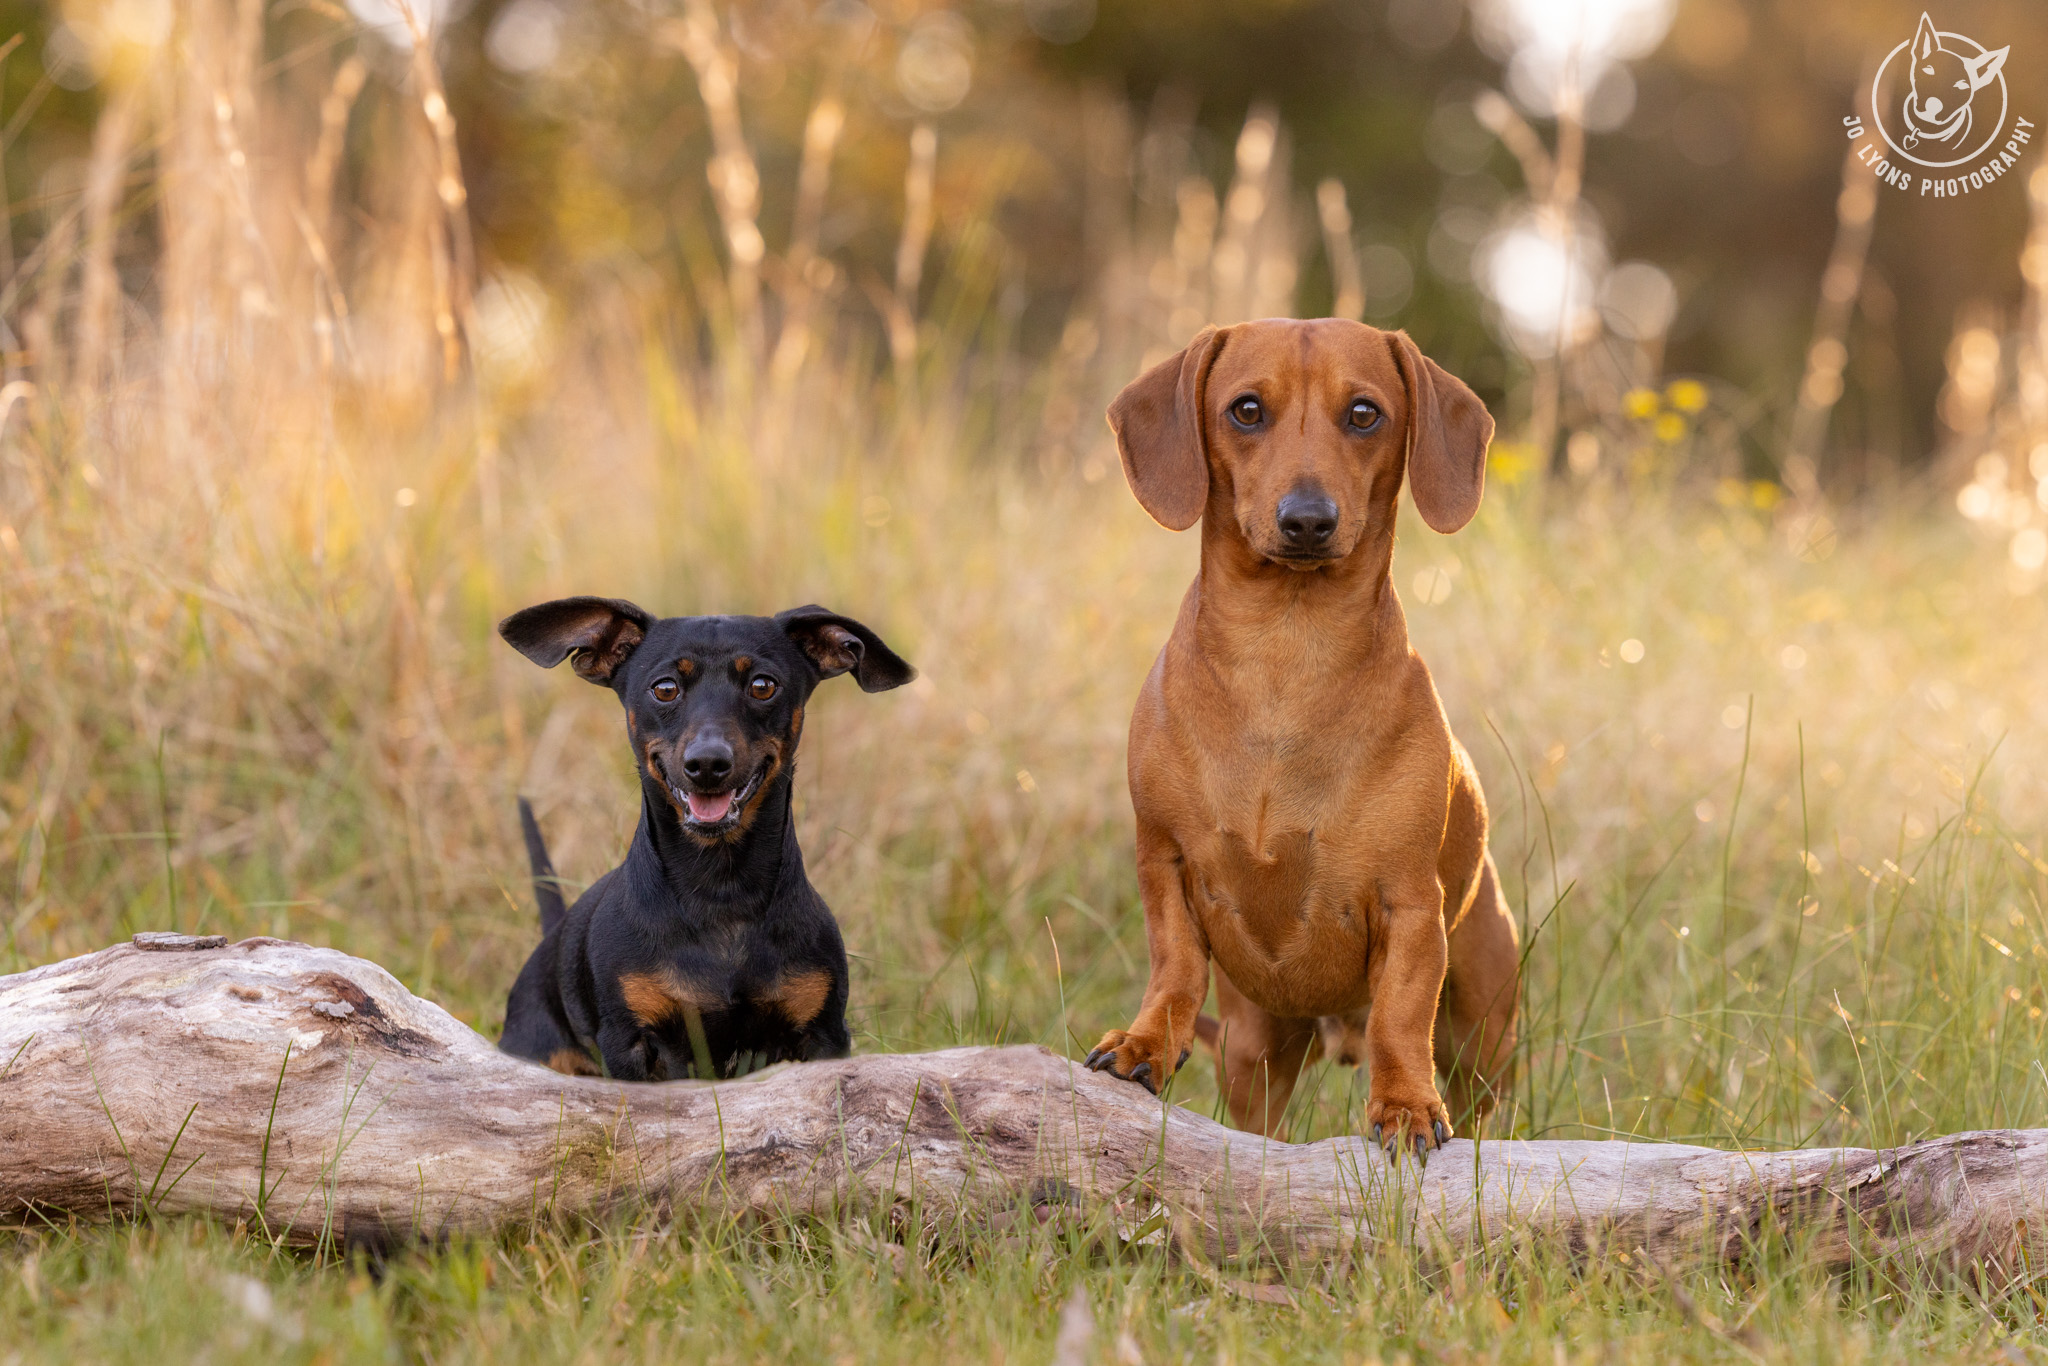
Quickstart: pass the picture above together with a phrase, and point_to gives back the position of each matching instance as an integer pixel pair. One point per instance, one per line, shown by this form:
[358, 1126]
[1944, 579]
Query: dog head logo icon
[1939, 98]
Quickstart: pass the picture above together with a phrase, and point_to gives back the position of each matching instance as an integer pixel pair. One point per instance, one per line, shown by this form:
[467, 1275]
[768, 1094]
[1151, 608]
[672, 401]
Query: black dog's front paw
[630, 1056]
[752, 1060]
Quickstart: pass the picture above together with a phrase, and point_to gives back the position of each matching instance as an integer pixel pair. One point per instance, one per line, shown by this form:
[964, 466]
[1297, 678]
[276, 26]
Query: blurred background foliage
[1066, 135]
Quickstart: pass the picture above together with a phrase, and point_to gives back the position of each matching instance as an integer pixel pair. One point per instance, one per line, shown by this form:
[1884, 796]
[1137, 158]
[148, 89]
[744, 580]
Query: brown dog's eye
[1246, 411]
[666, 690]
[762, 688]
[1365, 416]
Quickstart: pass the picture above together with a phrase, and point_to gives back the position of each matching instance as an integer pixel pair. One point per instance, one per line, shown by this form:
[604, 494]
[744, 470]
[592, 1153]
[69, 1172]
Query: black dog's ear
[595, 634]
[835, 644]
[1159, 432]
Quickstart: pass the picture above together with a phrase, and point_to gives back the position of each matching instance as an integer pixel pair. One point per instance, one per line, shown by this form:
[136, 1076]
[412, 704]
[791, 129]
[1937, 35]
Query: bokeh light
[1638, 301]
[935, 69]
[393, 20]
[526, 36]
[1543, 277]
[1565, 49]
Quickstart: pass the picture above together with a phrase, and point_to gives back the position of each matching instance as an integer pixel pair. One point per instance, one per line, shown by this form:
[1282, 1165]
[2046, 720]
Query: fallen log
[308, 1093]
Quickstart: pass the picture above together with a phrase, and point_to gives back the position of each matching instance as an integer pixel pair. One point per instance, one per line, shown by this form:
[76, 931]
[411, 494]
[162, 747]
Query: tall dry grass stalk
[807, 272]
[1827, 353]
[99, 292]
[1554, 178]
[2031, 378]
[453, 251]
[911, 246]
[735, 178]
[1334, 212]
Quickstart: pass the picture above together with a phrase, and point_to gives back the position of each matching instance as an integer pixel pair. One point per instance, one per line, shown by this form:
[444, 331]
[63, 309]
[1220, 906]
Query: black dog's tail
[547, 888]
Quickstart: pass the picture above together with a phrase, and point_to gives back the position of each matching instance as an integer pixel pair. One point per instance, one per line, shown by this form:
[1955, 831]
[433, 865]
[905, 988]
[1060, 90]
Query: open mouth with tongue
[708, 808]
[713, 812]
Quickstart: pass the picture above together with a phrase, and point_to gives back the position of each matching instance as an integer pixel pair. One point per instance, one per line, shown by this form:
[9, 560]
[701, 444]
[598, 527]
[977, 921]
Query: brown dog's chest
[1300, 806]
[1285, 884]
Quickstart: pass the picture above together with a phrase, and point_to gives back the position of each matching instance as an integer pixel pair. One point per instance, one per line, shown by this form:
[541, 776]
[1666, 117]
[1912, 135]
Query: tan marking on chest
[799, 996]
[656, 998]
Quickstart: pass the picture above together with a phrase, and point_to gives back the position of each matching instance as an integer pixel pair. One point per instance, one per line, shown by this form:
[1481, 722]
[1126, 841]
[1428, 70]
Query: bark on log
[155, 1075]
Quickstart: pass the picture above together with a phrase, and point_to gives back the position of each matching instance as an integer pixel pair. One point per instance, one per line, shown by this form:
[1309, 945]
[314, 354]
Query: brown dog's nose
[1307, 518]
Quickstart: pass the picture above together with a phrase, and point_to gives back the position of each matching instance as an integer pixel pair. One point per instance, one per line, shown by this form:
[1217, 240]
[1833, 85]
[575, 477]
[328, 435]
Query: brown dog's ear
[1449, 430]
[835, 644]
[1158, 424]
[595, 634]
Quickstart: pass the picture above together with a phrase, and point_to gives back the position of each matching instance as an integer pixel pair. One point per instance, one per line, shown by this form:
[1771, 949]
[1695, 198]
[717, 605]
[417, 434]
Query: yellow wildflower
[1686, 395]
[1511, 461]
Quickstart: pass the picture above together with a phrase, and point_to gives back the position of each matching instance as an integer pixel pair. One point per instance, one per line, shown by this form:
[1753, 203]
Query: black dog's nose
[1308, 519]
[707, 759]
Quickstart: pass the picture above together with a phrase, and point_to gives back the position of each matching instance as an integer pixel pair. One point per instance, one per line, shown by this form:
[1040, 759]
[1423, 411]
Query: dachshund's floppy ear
[835, 644]
[595, 634]
[1449, 430]
[1159, 432]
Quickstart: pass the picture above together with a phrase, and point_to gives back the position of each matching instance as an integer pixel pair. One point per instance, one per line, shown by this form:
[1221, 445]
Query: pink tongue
[708, 809]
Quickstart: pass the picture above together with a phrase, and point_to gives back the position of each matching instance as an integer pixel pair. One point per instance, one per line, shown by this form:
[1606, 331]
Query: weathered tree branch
[155, 1076]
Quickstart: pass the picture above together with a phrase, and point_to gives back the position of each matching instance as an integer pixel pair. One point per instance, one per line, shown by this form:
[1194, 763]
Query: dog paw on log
[307, 1089]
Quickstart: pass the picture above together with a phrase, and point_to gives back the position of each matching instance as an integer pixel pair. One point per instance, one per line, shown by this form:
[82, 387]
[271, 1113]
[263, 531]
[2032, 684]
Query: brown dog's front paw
[1421, 1122]
[1134, 1057]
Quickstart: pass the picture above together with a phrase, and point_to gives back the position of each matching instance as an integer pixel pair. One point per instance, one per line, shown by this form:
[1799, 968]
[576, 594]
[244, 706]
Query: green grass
[1768, 797]
[189, 1289]
[337, 763]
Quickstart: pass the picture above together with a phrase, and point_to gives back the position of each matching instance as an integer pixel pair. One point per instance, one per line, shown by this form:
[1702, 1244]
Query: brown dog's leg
[1475, 1025]
[1259, 1057]
[1157, 1042]
[1406, 982]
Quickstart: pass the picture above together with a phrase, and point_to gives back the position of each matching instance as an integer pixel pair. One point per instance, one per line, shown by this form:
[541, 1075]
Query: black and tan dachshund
[707, 952]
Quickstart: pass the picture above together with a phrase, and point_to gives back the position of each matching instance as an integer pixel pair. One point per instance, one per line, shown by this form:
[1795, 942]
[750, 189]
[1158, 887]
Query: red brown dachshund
[1305, 818]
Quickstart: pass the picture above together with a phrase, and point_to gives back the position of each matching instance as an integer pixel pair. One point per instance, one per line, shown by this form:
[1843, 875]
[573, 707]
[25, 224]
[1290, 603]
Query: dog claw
[1376, 1136]
[1421, 1150]
[1094, 1058]
[1442, 1131]
[1183, 1059]
[1142, 1074]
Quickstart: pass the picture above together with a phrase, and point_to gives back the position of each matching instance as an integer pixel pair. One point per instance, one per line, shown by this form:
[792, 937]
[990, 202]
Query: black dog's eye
[666, 690]
[1364, 415]
[1246, 411]
[762, 688]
